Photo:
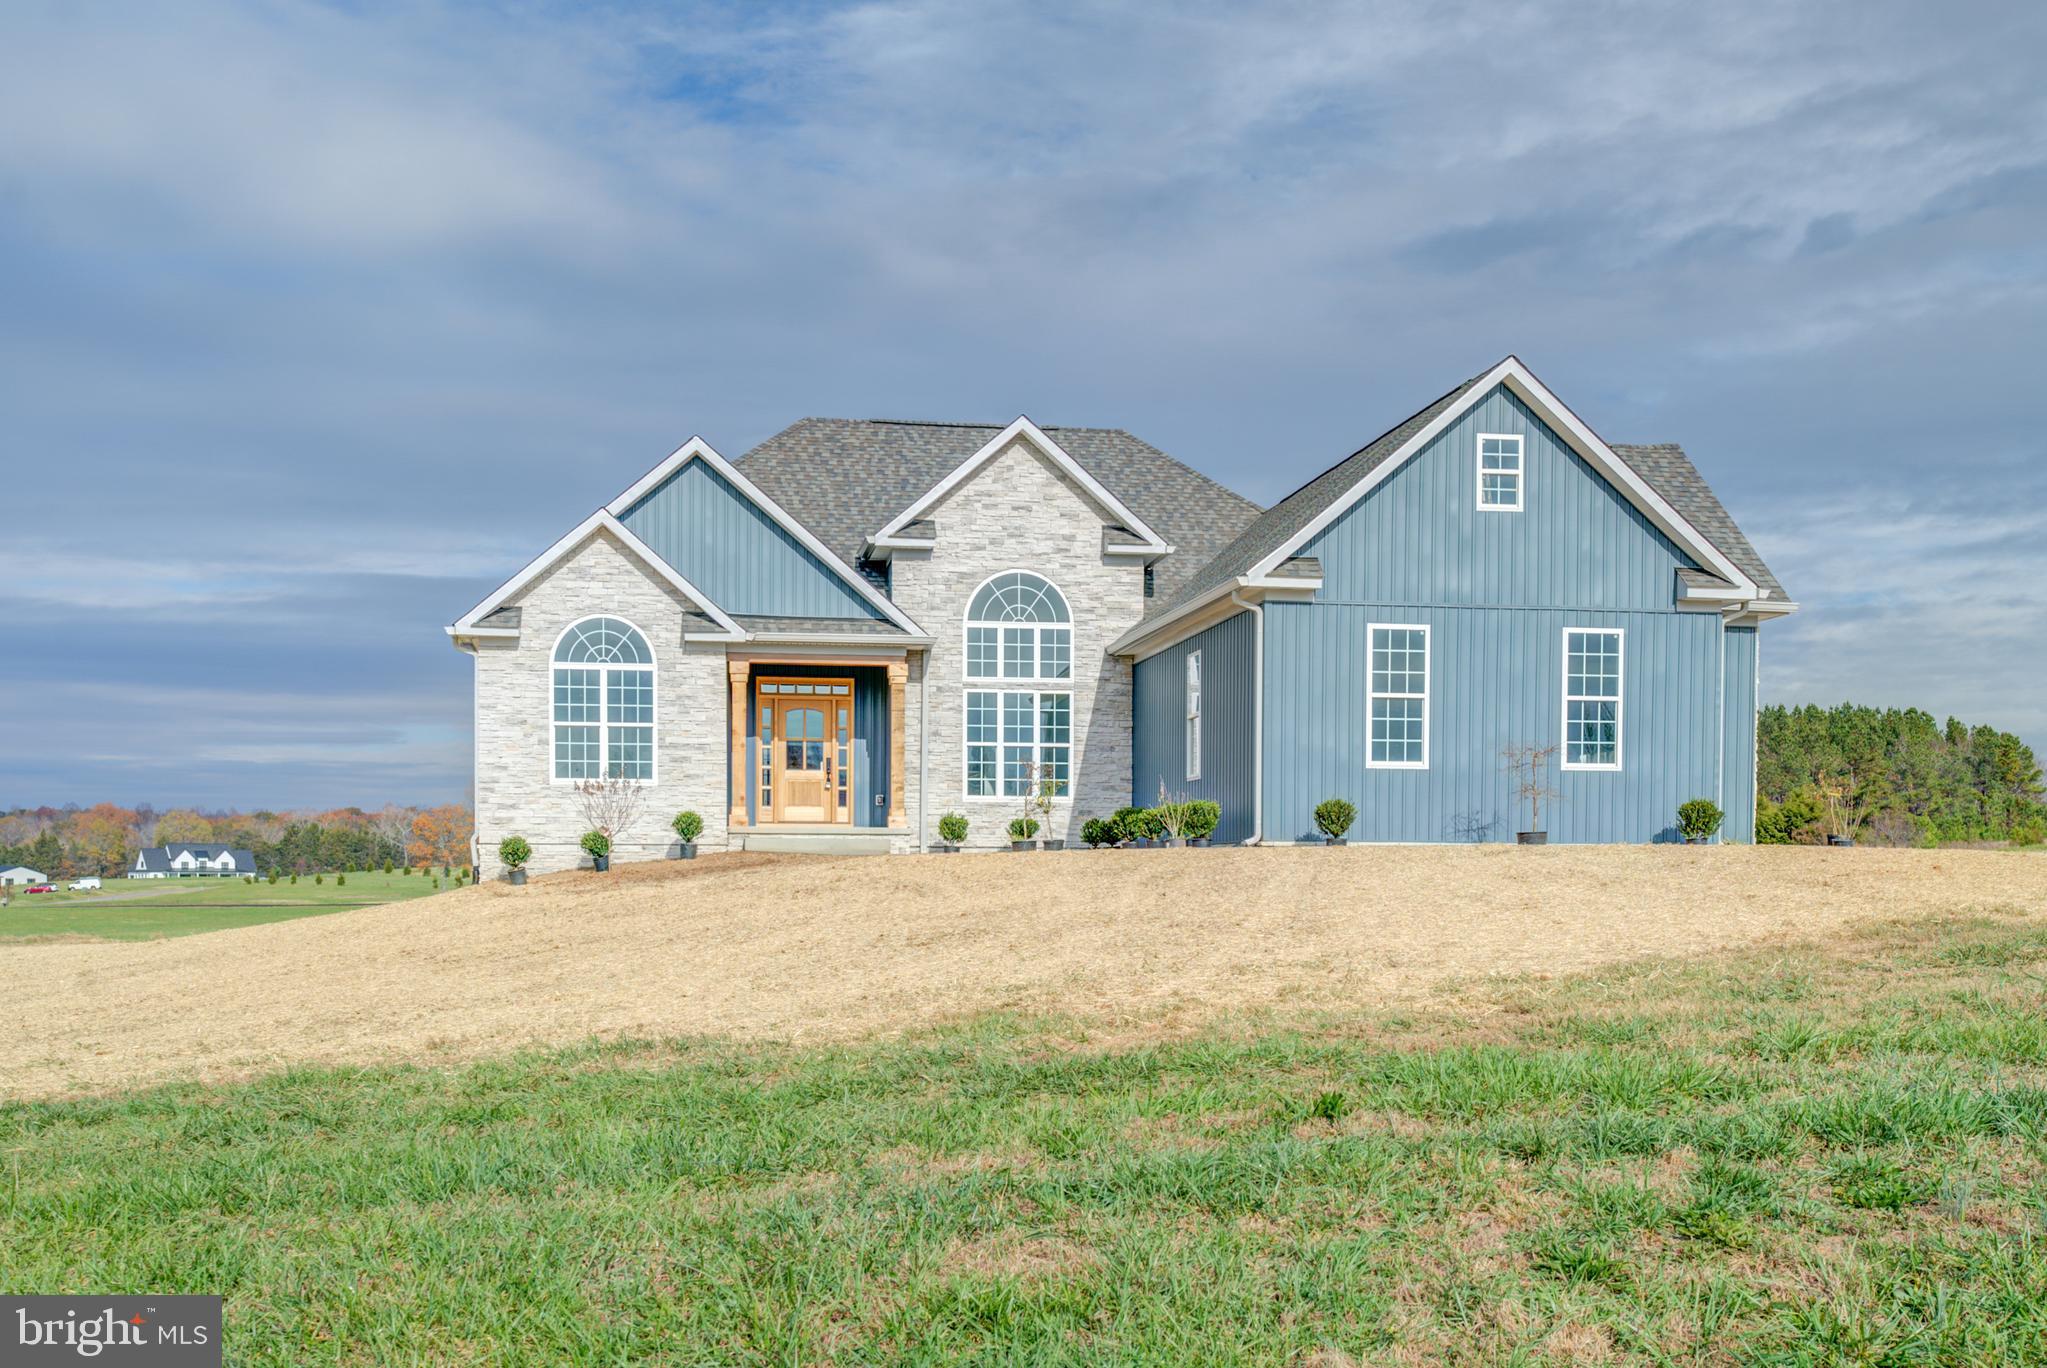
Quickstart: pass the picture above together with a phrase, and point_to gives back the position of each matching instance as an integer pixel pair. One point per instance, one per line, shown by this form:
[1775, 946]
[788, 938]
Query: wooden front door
[806, 750]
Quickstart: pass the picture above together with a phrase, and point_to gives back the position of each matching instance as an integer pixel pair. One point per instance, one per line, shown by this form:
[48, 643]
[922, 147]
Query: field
[759, 948]
[137, 909]
[1825, 1152]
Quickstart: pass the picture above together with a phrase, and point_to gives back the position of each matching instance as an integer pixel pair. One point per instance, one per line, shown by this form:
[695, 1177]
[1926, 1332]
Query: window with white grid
[1499, 472]
[603, 702]
[1592, 698]
[1399, 694]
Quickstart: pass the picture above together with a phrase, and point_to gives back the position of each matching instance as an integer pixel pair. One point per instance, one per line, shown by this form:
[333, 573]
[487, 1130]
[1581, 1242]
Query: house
[182, 861]
[21, 876]
[862, 625]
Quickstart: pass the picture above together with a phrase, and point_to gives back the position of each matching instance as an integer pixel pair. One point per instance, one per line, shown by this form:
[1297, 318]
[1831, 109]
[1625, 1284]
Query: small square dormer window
[1499, 472]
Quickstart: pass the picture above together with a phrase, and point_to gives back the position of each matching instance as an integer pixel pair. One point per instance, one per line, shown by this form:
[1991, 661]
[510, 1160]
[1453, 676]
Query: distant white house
[21, 876]
[191, 862]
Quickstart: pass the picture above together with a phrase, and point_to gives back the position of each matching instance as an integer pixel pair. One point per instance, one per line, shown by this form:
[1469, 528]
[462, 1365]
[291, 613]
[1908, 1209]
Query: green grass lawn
[180, 907]
[1802, 1157]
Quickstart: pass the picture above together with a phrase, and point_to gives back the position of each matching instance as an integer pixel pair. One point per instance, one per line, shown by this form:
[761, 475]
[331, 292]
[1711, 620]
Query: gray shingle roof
[1665, 465]
[154, 858]
[844, 478]
[836, 626]
[1276, 524]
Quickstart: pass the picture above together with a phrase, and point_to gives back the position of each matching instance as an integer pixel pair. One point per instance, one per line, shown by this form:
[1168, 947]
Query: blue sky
[317, 320]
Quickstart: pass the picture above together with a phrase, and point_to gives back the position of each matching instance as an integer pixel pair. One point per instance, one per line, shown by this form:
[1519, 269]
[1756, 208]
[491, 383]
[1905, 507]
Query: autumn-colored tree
[441, 835]
[100, 844]
[183, 824]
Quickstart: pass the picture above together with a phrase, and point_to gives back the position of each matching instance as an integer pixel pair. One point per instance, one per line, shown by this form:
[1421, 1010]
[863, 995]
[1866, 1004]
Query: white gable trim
[1582, 439]
[600, 521]
[1155, 545]
[697, 449]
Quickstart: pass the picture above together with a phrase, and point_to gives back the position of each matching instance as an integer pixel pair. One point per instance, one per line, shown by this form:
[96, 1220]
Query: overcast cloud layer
[318, 322]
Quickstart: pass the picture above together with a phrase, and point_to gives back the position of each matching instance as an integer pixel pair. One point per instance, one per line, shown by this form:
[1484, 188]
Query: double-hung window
[1399, 692]
[1019, 688]
[1592, 698]
[1194, 714]
[1499, 472]
[603, 697]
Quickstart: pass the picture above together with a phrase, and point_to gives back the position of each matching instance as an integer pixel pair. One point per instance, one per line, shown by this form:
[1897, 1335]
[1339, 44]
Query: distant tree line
[104, 839]
[1894, 777]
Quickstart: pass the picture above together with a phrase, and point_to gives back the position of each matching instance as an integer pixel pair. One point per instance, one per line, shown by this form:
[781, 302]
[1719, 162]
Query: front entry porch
[817, 751]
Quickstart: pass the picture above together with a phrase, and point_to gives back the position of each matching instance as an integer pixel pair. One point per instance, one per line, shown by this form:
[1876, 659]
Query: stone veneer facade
[1018, 512]
[516, 792]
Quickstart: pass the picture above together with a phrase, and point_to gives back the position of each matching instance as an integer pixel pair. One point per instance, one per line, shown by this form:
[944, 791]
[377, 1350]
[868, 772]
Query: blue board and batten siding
[868, 793]
[1158, 752]
[1497, 591]
[722, 542]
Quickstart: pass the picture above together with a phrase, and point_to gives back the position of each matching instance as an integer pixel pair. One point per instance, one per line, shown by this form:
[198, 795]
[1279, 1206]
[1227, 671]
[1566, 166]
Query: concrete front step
[814, 842]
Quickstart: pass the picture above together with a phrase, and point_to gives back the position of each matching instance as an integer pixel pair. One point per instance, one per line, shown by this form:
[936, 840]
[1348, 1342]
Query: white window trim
[1372, 695]
[1520, 471]
[1037, 696]
[1194, 686]
[1034, 684]
[1619, 700]
[604, 704]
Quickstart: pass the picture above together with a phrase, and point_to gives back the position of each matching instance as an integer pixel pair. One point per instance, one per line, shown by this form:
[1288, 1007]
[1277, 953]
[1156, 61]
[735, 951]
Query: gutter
[923, 751]
[1257, 613]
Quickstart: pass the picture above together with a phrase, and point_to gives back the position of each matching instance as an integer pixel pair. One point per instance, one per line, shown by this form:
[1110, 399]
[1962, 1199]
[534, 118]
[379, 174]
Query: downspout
[923, 749]
[1257, 715]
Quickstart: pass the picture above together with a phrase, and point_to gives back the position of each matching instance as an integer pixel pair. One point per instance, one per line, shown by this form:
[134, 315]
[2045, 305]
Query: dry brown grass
[801, 948]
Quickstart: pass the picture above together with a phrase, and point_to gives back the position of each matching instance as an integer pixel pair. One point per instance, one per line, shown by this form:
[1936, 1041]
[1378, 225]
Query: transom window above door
[1017, 628]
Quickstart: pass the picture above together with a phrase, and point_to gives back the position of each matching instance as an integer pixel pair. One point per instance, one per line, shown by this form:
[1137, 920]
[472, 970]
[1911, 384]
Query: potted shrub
[1098, 832]
[598, 847]
[1172, 817]
[1530, 767]
[1333, 817]
[609, 805]
[688, 826]
[952, 831]
[1698, 819]
[1126, 826]
[1021, 830]
[1203, 816]
[1151, 827]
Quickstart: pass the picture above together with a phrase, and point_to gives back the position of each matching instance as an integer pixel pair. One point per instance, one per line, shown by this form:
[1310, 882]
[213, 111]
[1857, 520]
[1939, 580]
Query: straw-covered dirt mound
[803, 947]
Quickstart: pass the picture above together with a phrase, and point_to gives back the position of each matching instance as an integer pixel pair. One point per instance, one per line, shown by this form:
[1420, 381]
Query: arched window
[603, 702]
[1019, 694]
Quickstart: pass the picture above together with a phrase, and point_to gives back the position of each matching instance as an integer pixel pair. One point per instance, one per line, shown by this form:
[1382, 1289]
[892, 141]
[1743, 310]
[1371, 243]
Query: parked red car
[40, 888]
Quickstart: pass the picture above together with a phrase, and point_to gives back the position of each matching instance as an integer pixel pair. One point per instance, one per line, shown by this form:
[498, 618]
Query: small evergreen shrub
[387, 866]
[319, 878]
[437, 881]
[688, 826]
[1699, 818]
[340, 879]
[595, 844]
[514, 852]
[1150, 823]
[447, 871]
[273, 875]
[1333, 817]
[1023, 828]
[1098, 831]
[1124, 823]
[294, 878]
[1202, 817]
[952, 828]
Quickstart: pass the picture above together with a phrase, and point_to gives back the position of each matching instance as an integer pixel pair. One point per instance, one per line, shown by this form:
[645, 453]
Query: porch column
[898, 686]
[738, 671]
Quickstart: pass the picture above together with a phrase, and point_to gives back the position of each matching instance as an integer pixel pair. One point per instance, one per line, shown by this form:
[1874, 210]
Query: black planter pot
[601, 863]
[1532, 837]
[1334, 840]
[687, 850]
[1172, 843]
[1055, 845]
[1140, 843]
[1023, 845]
[948, 850]
[1198, 841]
[517, 878]
[1845, 842]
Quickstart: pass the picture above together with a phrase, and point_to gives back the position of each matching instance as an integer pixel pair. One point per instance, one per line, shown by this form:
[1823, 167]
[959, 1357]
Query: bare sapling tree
[1530, 767]
[1172, 811]
[611, 804]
